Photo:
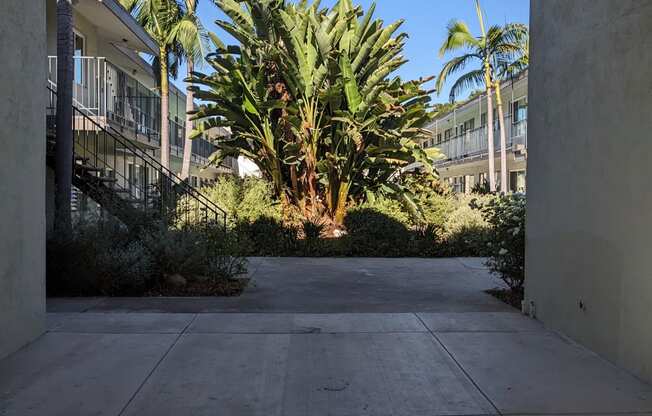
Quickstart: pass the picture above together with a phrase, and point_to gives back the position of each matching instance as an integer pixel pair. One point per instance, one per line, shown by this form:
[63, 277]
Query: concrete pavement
[478, 358]
[331, 285]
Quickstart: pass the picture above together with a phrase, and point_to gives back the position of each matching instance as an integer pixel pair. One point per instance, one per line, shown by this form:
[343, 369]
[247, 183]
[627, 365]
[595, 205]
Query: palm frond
[470, 80]
[453, 66]
[458, 36]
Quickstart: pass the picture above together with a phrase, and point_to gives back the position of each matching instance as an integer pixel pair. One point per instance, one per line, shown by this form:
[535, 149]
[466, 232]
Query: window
[79, 44]
[469, 182]
[461, 184]
[519, 110]
[468, 125]
[137, 179]
[483, 119]
[438, 138]
[517, 181]
[447, 134]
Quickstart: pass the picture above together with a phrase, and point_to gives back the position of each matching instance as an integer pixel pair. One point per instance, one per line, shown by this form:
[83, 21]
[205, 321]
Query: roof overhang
[116, 25]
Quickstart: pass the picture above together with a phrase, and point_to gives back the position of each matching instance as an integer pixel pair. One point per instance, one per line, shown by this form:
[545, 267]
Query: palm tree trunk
[187, 145]
[64, 143]
[165, 109]
[490, 136]
[503, 141]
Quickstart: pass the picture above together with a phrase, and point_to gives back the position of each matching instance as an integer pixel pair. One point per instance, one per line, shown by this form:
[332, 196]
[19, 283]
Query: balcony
[473, 143]
[116, 100]
[112, 98]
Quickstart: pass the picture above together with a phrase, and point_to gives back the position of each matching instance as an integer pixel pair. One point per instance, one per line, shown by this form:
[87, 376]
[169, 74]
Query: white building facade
[117, 87]
[461, 135]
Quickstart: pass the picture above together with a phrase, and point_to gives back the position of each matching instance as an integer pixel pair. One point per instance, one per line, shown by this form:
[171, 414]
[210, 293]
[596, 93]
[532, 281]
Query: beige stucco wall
[589, 221]
[22, 173]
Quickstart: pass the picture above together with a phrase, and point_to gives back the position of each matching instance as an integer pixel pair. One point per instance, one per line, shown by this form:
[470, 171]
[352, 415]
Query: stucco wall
[589, 224]
[22, 172]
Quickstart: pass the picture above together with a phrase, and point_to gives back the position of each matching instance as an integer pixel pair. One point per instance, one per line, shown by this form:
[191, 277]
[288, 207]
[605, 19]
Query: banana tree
[307, 95]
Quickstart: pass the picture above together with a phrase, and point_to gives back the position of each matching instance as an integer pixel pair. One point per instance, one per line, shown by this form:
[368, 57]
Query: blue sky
[425, 23]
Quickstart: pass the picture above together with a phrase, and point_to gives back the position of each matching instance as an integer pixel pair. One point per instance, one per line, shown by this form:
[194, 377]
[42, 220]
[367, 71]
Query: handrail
[183, 185]
[170, 174]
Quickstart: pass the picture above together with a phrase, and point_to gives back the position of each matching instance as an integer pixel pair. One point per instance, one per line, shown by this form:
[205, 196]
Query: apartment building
[461, 135]
[116, 87]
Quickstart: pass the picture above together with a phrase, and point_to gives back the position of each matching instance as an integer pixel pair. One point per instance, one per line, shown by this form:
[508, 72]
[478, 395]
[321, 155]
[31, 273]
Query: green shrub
[98, 259]
[481, 188]
[448, 225]
[464, 214]
[373, 233]
[313, 229]
[506, 245]
[125, 270]
[266, 237]
[104, 258]
[177, 251]
[436, 208]
[464, 230]
[244, 200]
[388, 207]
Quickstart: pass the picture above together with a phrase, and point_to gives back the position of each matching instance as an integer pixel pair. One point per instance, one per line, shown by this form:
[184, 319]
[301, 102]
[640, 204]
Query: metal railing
[103, 90]
[472, 143]
[134, 175]
[89, 86]
[128, 113]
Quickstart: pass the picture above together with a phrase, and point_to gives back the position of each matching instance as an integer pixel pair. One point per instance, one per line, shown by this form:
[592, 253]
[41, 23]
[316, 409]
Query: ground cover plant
[104, 258]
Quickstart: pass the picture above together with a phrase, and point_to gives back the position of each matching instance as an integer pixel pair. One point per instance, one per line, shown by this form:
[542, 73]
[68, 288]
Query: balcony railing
[100, 89]
[88, 92]
[473, 143]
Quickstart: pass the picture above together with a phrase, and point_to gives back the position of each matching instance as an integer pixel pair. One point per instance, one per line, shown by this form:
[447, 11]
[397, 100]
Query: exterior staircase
[125, 180]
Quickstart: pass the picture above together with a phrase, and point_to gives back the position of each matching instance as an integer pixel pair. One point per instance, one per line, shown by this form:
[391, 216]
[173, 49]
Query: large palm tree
[495, 45]
[64, 145]
[192, 37]
[160, 18]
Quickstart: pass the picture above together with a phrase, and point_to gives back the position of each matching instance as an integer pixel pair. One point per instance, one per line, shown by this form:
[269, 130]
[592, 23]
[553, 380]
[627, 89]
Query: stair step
[87, 168]
[103, 179]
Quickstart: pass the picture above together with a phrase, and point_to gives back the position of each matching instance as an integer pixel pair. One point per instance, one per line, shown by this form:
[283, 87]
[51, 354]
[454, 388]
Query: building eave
[128, 20]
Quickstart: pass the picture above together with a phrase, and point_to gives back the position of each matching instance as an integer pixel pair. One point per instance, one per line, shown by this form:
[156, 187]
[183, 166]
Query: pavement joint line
[578, 414]
[57, 331]
[493, 331]
[298, 332]
[466, 373]
[158, 363]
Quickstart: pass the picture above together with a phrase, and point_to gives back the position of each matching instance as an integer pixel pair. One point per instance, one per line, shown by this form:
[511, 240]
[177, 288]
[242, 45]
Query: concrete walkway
[314, 337]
